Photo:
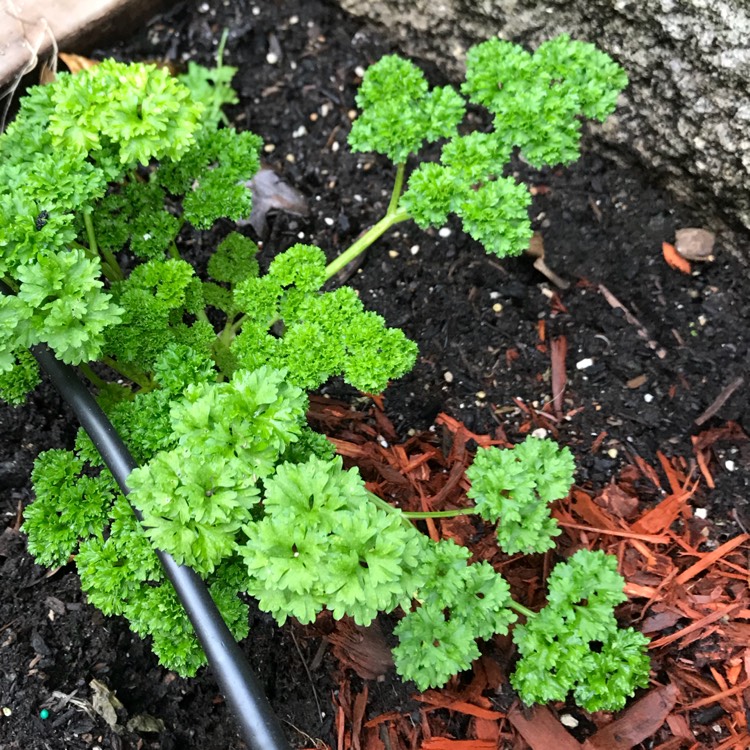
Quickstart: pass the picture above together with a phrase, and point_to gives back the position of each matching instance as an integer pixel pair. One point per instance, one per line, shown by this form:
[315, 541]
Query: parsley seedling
[207, 379]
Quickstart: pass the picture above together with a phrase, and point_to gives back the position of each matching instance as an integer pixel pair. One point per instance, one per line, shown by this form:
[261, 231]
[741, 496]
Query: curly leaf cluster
[458, 604]
[538, 99]
[514, 487]
[469, 183]
[399, 113]
[155, 301]
[134, 112]
[69, 141]
[322, 542]
[136, 214]
[575, 644]
[69, 506]
[212, 174]
[195, 497]
[20, 379]
[324, 334]
[60, 302]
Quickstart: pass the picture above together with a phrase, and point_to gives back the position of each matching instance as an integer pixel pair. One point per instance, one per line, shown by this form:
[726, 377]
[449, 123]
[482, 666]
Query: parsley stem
[409, 516]
[139, 378]
[398, 186]
[89, 224]
[110, 266]
[220, 51]
[525, 611]
[12, 284]
[418, 514]
[360, 245]
[92, 376]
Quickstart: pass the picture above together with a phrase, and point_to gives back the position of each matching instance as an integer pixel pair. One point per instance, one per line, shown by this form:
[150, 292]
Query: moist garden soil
[485, 330]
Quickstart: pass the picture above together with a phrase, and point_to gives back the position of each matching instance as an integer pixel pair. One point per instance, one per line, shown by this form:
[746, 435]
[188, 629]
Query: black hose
[258, 724]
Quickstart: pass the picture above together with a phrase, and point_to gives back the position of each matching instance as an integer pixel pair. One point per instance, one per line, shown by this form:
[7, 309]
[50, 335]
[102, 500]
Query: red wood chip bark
[542, 729]
[637, 723]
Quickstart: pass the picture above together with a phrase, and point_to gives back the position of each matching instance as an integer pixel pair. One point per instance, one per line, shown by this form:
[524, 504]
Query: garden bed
[493, 338]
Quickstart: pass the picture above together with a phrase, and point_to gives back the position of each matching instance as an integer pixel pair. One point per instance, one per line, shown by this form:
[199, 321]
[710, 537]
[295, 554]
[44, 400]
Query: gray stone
[684, 115]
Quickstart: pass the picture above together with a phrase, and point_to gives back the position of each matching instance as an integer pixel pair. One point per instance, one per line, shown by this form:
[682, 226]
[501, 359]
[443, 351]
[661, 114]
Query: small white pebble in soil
[393, 253]
[204, 8]
[329, 221]
[293, 65]
[383, 442]
[7, 711]
[540, 433]
[584, 364]
[299, 132]
[445, 232]
[325, 108]
[335, 146]
[293, 20]
[269, 148]
[411, 432]
[352, 114]
[702, 320]
[729, 465]
[290, 158]
[255, 11]
[497, 307]
[448, 376]
[648, 398]
[414, 249]
[494, 295]
[300, 235]
[569, 721]
[481, 394]
[612, 452]
[700, 513]
[359, 71]
[272, 58]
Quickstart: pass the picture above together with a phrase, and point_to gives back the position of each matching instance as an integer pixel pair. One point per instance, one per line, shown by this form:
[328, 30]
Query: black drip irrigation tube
[258, 724]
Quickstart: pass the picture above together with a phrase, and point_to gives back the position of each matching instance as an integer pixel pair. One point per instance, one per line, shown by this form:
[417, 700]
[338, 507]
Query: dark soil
[476, 320]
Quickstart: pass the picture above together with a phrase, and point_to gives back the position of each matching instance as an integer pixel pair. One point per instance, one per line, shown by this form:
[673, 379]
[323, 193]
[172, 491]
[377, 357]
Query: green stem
[525, 611]
[360, 245]
[398, 186]
[222, 44]
[513, 604]
[92, 376]
[89, 224]
[12, 284]
[110, 266]
[139, 378]
[418, 514]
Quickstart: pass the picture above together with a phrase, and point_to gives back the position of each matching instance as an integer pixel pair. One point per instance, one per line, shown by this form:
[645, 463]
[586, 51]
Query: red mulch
[688, 593]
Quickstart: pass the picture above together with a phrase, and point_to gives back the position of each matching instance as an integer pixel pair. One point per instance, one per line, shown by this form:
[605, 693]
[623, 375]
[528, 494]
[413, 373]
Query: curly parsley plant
[206, 378]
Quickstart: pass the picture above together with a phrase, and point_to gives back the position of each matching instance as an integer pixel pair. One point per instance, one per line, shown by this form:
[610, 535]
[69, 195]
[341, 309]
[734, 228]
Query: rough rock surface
[686, 113]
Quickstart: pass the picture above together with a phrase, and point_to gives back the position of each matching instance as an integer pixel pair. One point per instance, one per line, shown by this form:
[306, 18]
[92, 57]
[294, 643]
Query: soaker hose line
[258, 724]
